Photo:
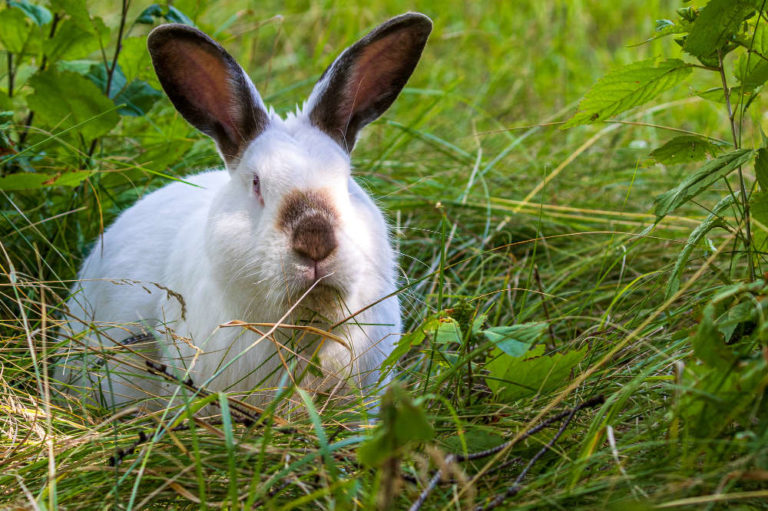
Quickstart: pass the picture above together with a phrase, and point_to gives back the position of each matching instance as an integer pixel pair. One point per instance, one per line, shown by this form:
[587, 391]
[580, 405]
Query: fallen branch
[512, 490]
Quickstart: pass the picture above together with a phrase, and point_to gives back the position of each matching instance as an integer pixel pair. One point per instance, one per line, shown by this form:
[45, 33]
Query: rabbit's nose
[313, 238]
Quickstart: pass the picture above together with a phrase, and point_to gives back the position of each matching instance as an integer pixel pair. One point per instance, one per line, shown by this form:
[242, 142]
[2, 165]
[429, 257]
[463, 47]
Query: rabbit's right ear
[208, 87]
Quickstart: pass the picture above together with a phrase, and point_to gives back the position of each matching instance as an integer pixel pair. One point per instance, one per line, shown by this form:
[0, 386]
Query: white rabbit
[284, 234]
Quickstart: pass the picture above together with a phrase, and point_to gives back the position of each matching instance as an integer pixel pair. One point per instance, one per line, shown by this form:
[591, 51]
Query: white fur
[217, 249]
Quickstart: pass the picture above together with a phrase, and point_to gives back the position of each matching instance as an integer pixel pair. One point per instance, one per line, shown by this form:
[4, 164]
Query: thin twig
[568, 415]
[515, 488]
[744, 199]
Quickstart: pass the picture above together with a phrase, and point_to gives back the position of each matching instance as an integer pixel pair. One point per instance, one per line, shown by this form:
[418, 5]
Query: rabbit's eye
[257, 188]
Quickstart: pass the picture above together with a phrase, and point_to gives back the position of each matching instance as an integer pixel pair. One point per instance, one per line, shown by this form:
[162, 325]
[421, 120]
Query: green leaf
[513, 378]
[403, 346]
[758, 206]
[70, 42]
[761, 168]
[64, 99]
[712, 221]
[515, 340]
[134, 59]
[716, 25]
[717, 95]
[15, 30]
[627, 87]
[176, 16]
[77, 10]
[701, 180]
[99, 75]
[403, 422]
[138, 97]
[443, 330]
[31, 181]
[170, 13]
[148, 15]
[685, 149]
[37, 13]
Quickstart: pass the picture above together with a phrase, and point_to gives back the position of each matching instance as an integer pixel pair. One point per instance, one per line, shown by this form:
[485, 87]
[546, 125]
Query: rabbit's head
[291, 218]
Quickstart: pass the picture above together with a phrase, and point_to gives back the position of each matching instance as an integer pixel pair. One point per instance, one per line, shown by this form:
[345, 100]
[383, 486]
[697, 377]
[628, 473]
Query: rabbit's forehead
[299, 156]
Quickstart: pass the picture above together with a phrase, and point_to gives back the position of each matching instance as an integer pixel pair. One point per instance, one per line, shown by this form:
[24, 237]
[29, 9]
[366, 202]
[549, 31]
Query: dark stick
[568, 415]
[515, 488]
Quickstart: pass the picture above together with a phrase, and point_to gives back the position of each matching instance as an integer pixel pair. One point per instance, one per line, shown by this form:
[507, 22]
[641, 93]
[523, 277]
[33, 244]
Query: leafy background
[615, 263]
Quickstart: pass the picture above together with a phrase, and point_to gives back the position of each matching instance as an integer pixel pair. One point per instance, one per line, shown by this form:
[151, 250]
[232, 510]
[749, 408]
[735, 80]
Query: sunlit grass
[492, 206]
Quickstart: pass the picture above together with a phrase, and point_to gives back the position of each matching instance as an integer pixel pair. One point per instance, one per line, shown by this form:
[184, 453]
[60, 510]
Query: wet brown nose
[313, 238]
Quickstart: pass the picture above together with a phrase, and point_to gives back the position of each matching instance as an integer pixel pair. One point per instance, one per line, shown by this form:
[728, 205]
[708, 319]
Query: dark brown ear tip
[163, 33]
[414, 19]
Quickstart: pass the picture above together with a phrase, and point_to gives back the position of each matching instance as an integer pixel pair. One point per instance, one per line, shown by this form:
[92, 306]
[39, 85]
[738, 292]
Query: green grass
[495, 212]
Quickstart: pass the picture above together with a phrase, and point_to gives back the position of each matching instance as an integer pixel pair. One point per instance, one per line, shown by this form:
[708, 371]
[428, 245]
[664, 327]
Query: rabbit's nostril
[313, 238]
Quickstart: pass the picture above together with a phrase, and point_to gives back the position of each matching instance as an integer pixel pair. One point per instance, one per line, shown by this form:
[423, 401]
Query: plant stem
[744, 199]
[113, 66]
[10, 75]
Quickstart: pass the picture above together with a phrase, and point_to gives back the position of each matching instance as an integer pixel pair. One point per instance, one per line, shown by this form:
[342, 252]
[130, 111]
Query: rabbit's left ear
[208, 87]
[367, 77]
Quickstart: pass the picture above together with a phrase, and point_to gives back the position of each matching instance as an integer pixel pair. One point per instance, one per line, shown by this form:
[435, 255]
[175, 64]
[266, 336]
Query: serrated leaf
[65, 99]
[751, 71]
[513, 378]
[515, 340]
[712, 221]
[37, 13]
[685, 149]
[15, 30]
[758, 206]
[70, 42]
[716, 24]
[134, 58]
[627, 87]
[76, 10]
[701, 180]
[761, 168]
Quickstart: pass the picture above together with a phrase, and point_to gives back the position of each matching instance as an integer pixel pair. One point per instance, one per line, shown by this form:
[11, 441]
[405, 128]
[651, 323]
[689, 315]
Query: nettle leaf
[751, 71]
[701, 180]
[761, 168]
[513, 378]
[443, 330]
[70, 42]
[758, 206]
[77, 11]
[515, 340]
[627, 87]
[37, 13]
[716, 24]
[134, 59]
[685, 149]
[99, 75]
[717, 95]
[15, 30]
[65, 99]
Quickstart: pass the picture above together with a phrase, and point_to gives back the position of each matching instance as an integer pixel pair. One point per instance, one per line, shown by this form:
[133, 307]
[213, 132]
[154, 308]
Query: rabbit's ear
[208, 87]
[367, 77]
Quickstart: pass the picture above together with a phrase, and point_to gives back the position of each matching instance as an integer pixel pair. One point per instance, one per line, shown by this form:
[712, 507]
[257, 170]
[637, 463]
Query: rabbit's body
[284, 235]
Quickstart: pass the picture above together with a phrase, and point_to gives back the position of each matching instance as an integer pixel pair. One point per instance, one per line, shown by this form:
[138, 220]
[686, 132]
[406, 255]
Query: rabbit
[283, 234]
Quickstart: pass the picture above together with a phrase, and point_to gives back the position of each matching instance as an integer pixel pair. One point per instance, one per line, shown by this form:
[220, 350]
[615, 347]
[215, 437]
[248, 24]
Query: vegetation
[583, 281]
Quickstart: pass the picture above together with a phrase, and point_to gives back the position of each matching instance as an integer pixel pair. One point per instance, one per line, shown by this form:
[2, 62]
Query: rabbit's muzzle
[313, 238]
[309, 219]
